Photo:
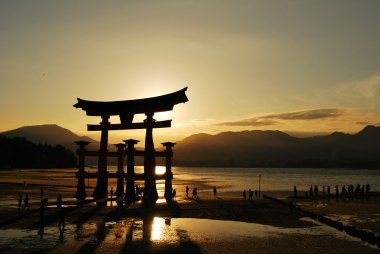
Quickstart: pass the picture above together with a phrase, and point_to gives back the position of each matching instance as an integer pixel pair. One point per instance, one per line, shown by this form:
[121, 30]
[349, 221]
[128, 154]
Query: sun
[160, 170]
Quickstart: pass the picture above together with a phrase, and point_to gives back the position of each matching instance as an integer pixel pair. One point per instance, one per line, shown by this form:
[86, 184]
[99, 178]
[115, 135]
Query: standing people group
[347, 192]
[249, 195]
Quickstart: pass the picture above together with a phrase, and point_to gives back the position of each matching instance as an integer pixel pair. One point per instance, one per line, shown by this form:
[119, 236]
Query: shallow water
[170, 230]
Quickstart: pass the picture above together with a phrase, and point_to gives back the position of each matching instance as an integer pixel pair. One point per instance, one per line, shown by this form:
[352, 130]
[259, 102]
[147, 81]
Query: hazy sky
[299, 66]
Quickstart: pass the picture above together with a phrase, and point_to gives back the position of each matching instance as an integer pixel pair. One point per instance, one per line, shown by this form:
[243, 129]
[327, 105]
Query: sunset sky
[297, 66]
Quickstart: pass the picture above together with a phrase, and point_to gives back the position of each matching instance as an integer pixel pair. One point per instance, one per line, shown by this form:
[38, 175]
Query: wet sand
[359, 213]
[112, 229]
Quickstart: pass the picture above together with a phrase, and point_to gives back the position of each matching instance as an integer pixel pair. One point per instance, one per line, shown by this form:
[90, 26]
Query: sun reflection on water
[157, 228]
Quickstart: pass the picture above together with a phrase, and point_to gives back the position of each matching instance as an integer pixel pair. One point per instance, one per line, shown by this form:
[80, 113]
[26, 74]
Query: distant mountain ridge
[254, 148]
[51, 134]
[278, 149]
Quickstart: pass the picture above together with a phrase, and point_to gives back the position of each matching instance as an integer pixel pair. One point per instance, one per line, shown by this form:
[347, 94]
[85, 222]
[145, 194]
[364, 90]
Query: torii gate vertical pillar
[130, 194]
[120, 170]
[81, 189]
[101, 189]
[150, 190]
[168, 172]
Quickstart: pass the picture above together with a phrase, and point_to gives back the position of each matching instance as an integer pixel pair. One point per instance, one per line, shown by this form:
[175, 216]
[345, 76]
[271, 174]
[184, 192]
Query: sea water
[229, 179]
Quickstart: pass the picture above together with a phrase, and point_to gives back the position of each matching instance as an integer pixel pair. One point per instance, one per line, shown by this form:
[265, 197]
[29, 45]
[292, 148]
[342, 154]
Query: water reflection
[157, 228]
[176, 234]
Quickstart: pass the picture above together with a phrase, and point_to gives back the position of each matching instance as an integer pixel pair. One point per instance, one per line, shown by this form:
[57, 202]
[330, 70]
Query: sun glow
[160, 170]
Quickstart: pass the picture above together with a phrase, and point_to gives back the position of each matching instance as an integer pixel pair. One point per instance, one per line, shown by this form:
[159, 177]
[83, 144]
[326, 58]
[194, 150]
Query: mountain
[33, 155]
[243, 149]
[278, 149]
[51, 134]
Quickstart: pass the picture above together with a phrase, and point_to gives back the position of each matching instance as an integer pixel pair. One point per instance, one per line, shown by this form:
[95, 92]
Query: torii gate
[126, 111]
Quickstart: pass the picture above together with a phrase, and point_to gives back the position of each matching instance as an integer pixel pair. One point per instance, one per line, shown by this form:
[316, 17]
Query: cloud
[307, 114]
[250, 122]
[271, 119]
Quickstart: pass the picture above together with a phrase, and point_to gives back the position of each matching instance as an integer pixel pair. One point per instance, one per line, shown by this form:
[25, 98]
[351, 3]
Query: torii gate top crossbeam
[127, 109]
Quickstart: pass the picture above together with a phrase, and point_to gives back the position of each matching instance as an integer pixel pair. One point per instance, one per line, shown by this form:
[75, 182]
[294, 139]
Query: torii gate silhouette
[126, 110]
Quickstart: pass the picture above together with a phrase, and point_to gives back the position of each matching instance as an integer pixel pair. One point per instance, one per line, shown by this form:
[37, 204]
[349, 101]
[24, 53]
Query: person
[42, 210]
[328, 190]
[194, 193]
[19, 201]
[61, 223]
[214, 191]
[111, 195]
[26, 202]
[174, 193]
[336, 192]
[44, 202]
[245, 195]
[59, 201]
[187, 191]
[256, 194]
[295, 191]
[250, 194]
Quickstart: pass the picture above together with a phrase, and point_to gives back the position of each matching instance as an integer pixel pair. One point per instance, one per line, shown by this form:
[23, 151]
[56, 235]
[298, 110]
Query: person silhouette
[187, 191]
[295, 191]
[61, 223]
[245, 195]
[26, 202]
[256, 194]
[250, 193]
[174, 194]
[111, 195]
[59, 201]
[214, 189]
[194, 193]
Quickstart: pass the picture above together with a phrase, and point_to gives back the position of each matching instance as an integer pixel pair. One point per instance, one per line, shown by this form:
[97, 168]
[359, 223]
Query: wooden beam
[116, 175]
[96, 153]
[132, 126]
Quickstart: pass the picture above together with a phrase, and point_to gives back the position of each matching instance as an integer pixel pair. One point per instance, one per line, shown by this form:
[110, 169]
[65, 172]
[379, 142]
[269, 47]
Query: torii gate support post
[81, 189]
[168, 172]
[150, 190]
[130, 194]
[120, 170]
[101, 189]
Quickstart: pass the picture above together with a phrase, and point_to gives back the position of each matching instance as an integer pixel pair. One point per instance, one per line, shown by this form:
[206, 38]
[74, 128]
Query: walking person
[250, 192]
[26, 202]
[187, 191]
[245, 195]
[214, 189]
[194, 193]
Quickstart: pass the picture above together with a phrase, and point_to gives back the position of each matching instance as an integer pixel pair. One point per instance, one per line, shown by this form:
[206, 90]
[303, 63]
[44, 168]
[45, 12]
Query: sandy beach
[223, 224]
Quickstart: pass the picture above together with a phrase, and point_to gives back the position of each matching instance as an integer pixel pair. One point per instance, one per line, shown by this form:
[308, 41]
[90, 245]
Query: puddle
[156, 229]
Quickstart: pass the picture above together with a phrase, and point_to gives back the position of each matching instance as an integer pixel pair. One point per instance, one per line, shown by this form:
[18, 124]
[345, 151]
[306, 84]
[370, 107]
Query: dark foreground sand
[226, 206]
[131, 229]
